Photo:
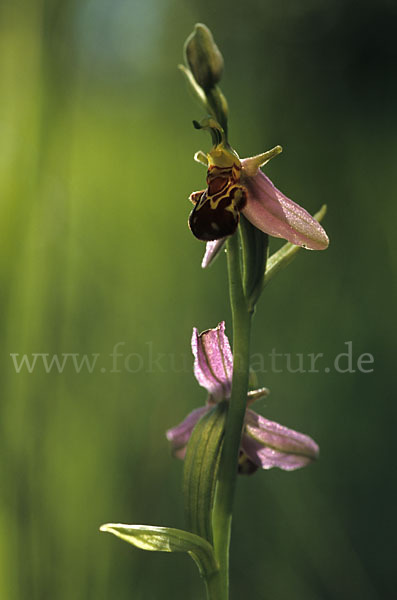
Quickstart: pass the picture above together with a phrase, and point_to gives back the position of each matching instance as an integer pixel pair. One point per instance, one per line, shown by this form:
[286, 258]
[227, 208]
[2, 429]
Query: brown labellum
[216, 213]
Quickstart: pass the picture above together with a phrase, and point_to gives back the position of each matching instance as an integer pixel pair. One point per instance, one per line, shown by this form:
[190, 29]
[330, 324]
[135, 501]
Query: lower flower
[265, 444]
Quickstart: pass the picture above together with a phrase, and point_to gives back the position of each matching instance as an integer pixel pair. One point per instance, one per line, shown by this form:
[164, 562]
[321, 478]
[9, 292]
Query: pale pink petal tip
[180, 434]
[212, 250]
[269, 444]
[271, 211]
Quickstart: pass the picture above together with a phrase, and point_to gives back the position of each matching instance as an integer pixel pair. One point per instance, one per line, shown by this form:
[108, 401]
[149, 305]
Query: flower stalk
[223, 506]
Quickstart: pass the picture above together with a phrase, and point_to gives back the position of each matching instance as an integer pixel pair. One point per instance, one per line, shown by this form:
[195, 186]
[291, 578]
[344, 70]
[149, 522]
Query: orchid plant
[240, 208]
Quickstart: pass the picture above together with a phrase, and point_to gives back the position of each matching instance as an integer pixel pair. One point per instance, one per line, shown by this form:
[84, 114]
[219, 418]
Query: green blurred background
[96, 148]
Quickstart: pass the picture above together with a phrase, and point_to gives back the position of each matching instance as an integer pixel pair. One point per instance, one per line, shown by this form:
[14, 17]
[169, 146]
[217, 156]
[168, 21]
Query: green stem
[222, 513]
[214, 588]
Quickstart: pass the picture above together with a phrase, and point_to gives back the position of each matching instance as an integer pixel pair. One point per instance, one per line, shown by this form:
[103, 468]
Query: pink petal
[269, 444]
[179, 435]
[213, 361]
[272, 212]
[212, 250]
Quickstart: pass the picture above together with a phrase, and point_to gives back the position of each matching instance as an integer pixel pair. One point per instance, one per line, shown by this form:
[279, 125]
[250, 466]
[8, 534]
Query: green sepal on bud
[167, 539]
[194, 87]
[203, 57]
[200, 469]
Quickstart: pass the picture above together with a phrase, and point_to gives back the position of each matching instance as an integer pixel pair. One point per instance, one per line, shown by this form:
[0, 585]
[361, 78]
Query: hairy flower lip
[265, 443]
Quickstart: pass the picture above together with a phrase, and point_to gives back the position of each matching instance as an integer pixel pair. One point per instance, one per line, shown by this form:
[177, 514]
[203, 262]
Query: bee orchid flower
[237, 186]
[265, 444]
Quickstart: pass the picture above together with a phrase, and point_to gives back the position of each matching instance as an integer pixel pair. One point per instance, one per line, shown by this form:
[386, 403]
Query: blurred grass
[95, 167]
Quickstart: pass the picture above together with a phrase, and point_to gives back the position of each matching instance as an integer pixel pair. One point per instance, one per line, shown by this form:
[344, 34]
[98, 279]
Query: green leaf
[167, 539]
[200, 470]
[197, 91]
[280, 259]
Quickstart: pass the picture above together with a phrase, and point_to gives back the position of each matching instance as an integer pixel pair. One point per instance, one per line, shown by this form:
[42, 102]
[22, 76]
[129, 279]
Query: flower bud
[203, 57]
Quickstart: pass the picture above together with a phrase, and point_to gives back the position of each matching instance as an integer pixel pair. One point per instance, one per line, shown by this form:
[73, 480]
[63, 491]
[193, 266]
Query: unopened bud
[203, 57]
